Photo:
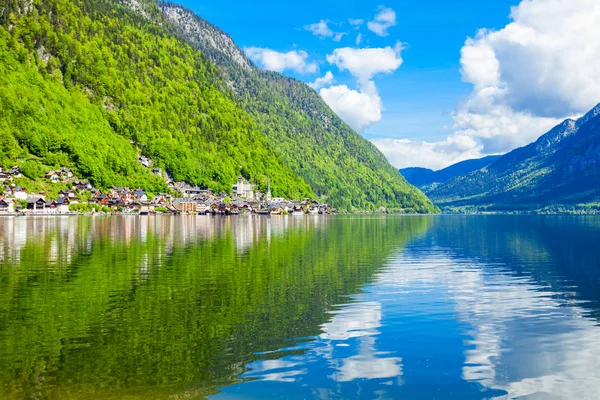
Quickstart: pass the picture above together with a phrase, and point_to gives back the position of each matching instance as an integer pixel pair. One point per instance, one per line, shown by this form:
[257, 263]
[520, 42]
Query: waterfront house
[283, 206]
[185, 205]
[62, 204]
[240, 204]
[51, 207]
[7, 206]
[36, 204]
[202, 207]
[140, 195]
[224, 208]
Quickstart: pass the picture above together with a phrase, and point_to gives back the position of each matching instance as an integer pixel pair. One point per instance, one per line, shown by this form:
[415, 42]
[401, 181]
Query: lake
[369, 307]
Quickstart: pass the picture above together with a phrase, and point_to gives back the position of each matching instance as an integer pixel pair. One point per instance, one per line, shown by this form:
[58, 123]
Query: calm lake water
[432, 307]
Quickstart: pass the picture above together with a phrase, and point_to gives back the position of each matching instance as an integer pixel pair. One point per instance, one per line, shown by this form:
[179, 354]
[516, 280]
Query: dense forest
[92, 84]
[89, 84]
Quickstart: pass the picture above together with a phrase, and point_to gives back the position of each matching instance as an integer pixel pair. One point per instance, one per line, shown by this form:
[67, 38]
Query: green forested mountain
[89, 83]
[560, 170]
[338, 163]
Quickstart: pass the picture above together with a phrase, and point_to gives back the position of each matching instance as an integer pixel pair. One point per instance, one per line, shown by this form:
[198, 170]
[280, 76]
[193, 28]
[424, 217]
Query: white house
[7, 206]
[18, 192]
[243, 189]
[62, 205]
[53, 176]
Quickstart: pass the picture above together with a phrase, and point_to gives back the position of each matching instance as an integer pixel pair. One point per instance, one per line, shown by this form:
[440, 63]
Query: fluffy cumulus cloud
[526, 77]
[384, 20]
[365, 63]
[359, 109]
[295, 60]
[362, 107]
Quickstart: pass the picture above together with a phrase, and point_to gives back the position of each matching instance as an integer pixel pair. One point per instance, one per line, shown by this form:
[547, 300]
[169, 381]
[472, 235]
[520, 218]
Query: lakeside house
[62, 204]
[36, 204]
[7, 206]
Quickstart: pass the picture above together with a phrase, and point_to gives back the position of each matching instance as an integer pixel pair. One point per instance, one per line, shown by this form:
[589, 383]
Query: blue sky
[422, 102]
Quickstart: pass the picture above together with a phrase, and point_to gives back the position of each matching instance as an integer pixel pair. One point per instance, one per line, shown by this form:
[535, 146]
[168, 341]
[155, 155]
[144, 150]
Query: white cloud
[365, 63]
[358, 39]
[359, 109]
[322, 82]
[385, 19]
[295, 60]
[404, 153]
[363, 107]
[527, 77]
[356, 22]
[338, 36]
[320, 29]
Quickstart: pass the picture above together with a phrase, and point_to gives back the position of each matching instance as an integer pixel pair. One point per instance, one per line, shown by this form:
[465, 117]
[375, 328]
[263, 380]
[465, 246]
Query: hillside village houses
[185, 198]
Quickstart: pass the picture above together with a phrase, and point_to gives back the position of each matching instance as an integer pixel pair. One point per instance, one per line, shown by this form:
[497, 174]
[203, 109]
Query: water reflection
[174, 307]
[350, 307]
[478, 307]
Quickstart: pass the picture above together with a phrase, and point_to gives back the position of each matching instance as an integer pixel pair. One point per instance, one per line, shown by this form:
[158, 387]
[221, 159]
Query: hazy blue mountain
[424, 177]
[559, 170]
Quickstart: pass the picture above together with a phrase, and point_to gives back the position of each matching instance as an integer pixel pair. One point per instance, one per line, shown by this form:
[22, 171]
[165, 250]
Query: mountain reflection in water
[344, 307]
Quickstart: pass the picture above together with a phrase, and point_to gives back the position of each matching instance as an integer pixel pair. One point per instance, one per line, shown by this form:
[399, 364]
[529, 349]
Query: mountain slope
[89, 84]
[340, 165]
[424, 177]
[561, 168]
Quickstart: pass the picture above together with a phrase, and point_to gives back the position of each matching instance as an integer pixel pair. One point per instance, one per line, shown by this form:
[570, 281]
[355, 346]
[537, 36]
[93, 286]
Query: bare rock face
[197, 30]
[138, 6]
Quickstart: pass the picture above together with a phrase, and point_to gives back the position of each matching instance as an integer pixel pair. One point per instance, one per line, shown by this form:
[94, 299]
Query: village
[83, 198]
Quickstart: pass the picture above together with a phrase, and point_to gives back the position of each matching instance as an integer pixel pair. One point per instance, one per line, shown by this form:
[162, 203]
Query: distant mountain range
[423, 177]
[558, 172]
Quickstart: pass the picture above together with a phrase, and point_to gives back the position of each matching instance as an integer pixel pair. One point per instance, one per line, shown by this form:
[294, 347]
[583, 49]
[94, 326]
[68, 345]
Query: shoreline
[19, 215]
